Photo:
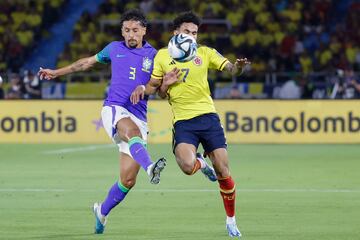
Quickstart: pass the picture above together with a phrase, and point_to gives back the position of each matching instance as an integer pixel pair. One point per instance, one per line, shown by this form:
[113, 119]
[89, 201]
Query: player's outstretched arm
[169, 79]
[80, 65]
[239, 64]
[142, 90]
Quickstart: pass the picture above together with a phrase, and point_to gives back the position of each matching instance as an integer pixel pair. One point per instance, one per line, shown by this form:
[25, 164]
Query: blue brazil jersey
[130, 67]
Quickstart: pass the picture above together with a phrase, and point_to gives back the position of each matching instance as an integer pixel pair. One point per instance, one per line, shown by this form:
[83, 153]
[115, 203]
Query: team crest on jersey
[197, 61]
[146, 64]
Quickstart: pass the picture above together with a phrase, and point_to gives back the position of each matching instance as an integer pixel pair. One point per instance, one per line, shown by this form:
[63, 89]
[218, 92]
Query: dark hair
[135, 15]
[186, 17]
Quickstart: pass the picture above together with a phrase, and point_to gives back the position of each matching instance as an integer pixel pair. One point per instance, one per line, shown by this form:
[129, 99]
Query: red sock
[227, 191]
[197, 166]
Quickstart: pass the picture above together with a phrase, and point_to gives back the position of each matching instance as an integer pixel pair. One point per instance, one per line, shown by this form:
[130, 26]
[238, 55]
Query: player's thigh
[120, 124]
[214, 143]
[213, 137]
[127, 128]
[129, 170]
[185, 143]
[184, 132]
[220, 161]
[111, 115]
[185, 155]
[108, 117]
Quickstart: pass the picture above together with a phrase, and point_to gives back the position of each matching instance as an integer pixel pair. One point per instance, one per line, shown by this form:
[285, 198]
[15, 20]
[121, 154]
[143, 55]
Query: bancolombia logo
[43, 123]
[303, 123]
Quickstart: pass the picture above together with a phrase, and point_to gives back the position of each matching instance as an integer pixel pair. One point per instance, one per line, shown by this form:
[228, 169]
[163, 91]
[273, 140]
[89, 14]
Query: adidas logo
[172, 62]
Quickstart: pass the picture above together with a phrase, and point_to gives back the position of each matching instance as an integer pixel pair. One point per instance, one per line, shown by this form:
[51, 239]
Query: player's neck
[140, 45]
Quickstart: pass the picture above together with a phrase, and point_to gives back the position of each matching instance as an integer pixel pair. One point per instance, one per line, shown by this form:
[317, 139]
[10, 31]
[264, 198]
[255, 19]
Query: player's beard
[132, 43]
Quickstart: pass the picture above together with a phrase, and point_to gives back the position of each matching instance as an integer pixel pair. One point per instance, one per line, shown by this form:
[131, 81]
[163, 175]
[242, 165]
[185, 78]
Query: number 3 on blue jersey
[132, 73]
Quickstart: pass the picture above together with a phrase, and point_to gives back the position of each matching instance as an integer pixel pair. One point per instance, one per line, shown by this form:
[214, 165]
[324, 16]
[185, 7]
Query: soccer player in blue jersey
[195, 118]
[126, 124]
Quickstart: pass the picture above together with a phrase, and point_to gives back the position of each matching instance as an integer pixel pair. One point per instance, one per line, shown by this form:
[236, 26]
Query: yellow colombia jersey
[190, 96]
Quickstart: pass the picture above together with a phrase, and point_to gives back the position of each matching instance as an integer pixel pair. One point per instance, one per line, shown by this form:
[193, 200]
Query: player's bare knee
[134, 132]
[187, 167]
[128, 182]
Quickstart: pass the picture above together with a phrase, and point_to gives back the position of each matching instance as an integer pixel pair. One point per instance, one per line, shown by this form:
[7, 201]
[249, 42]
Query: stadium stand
[302, 41]
[22, 25]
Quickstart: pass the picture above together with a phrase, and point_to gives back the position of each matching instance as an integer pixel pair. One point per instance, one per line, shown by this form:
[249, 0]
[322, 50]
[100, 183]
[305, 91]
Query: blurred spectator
[15, 91]
[2, 93]
[307, 88]
[235, 92]
[356, 85]
[306, 65]
[346, 85]
[147, 6]
[351, 86]
[32, 86]
[290, 90]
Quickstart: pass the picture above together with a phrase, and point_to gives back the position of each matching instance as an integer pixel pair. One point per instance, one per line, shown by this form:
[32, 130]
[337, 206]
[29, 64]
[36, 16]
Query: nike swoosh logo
[120, 55]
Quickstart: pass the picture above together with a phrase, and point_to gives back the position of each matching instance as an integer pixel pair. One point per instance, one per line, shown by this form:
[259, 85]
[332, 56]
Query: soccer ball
[182, 47]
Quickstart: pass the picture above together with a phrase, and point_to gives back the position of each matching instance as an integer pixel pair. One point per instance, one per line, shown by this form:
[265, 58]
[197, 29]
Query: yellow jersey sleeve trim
[223, 64]
[156, 76]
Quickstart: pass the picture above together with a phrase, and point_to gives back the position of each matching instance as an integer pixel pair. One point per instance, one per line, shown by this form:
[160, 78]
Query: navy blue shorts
[205, 129]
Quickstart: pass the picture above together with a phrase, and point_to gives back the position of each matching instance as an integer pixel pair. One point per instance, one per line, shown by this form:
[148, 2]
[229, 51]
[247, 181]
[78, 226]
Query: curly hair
[135, 15]
[186, 17]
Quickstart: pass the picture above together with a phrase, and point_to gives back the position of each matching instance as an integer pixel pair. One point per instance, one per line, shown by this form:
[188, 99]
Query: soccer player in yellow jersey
[195, 117]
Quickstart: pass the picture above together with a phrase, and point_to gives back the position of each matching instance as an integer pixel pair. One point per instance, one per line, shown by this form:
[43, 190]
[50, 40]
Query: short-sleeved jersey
[190, 96]
[130, 67]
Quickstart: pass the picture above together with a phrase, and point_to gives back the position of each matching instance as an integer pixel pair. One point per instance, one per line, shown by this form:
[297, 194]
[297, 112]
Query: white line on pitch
[187, 190]
[79, 149]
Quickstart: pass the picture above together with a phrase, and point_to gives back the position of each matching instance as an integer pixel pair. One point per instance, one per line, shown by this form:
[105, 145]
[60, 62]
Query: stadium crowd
[22, 25]
[26, 87]
[309, 40]
[301, 36]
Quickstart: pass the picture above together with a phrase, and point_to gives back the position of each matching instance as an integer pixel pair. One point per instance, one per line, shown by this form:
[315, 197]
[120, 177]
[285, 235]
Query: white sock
[230, 220]
[202, 163]
[102, 217]
[148, 170]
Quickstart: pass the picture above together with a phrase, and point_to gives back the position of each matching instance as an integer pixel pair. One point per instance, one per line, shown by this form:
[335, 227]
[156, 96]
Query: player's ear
[176, 32]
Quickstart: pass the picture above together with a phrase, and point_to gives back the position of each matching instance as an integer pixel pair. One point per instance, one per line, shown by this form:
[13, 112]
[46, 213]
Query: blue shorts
[205, 129]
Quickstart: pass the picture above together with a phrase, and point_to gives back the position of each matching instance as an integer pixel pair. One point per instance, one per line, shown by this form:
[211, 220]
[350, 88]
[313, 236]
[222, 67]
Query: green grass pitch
[285, 192]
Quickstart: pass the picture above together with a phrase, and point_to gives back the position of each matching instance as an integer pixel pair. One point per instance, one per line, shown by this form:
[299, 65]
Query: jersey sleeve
[104, 55]
[216, 60]
[158, 71]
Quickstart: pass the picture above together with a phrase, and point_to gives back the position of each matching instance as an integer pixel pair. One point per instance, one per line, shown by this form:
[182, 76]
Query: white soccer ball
[182, 47]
